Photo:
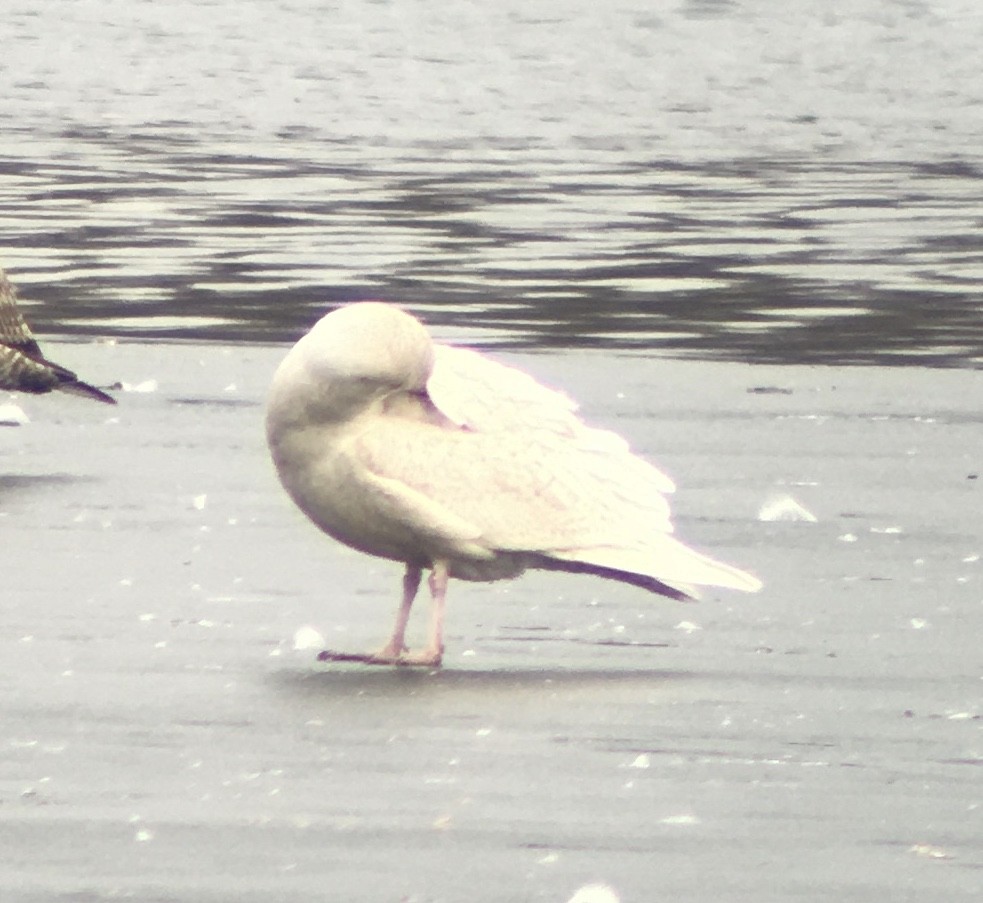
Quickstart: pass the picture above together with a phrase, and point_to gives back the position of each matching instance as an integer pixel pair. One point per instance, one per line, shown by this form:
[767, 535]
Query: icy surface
[163, 740]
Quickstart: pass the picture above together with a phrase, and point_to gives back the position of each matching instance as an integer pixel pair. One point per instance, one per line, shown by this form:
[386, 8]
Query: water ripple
[726, 182]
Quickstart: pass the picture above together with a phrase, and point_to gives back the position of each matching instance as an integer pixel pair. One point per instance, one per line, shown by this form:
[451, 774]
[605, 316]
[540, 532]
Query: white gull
[447, 461]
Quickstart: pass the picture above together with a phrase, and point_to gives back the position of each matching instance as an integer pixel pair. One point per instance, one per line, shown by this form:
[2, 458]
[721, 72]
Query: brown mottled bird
[23, 368]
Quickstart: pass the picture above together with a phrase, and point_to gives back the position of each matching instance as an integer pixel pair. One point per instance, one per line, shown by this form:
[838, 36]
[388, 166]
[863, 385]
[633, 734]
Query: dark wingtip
[643, 581]
[77, 387]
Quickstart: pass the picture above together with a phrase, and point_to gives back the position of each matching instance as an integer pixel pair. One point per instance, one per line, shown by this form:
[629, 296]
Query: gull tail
[644, 581]
[665, 566]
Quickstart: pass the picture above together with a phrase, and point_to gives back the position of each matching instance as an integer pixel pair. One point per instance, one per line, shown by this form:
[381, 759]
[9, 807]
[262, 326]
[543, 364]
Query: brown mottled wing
[19, 353]
[13, 329]
[23, 367]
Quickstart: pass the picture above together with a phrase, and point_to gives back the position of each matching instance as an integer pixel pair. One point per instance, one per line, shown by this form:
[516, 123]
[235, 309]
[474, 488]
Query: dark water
[760, 180]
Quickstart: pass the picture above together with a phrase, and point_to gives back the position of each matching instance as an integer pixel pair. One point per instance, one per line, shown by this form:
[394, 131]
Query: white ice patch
[148, 385]
[12, 415]
[929, 851]
[308, 638]
[785, 508]
[679, 820]
[688, 626]
[595, 893]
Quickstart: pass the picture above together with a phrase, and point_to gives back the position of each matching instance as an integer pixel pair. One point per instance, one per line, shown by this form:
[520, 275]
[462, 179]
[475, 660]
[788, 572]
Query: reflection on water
[797, 204]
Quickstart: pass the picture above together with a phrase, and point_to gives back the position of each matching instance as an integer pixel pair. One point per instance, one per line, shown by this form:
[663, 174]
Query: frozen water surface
[164, 739]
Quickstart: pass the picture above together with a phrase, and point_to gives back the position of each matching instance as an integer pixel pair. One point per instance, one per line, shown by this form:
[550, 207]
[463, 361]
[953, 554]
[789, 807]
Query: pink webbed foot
[395, 651]
[398, 654]
[387, 655]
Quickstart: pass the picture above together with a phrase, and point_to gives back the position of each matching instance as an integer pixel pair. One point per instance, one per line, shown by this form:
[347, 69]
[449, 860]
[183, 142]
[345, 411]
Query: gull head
[352, 357]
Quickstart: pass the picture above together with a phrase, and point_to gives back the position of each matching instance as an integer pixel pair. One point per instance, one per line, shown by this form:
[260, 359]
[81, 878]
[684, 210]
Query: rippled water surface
[752, 180]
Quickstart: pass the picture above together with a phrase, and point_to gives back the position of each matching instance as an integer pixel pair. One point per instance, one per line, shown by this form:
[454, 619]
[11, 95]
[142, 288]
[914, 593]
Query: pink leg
[431, 656]
[439, 577]
[394, 649]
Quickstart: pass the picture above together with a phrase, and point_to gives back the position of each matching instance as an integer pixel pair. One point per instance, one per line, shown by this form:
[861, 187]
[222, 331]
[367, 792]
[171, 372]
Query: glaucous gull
[23, 368]
[443, 459]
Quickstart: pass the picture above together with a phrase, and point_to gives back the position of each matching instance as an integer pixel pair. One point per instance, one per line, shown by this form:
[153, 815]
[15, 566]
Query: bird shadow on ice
[19, 482]
[360, 679]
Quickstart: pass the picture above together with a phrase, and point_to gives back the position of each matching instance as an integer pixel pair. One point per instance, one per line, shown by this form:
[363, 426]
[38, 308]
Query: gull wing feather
[485, 396]
[23, 366]
[669, 560]
[476, 392]
[524, 491]
[19, 352]
[541, 495]
[17, 345]
[13, 328]
[416, 511]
